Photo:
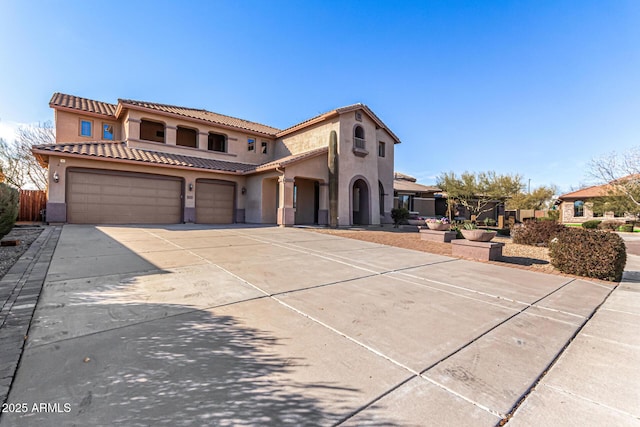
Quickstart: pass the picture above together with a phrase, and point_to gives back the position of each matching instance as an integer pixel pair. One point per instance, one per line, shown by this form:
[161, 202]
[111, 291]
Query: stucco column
[286, 214]
[203, 140]
[132, 129]
[170, 135]
[323, 205]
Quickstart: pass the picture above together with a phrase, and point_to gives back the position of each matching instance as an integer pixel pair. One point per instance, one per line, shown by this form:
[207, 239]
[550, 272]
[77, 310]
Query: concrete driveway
[190, 325]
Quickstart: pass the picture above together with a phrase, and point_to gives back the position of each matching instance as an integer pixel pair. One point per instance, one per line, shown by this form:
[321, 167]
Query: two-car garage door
[109, 197]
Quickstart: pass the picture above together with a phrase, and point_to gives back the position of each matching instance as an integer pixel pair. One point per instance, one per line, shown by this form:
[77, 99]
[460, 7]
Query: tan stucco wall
[371, 167]
[236, 140]
[385, 171]
[60, 165]
[307, 139]
[68, 127]
[260, 200]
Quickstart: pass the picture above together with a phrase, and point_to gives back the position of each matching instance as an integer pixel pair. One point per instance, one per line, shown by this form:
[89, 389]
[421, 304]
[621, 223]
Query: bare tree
[621, 174]
[18, 163]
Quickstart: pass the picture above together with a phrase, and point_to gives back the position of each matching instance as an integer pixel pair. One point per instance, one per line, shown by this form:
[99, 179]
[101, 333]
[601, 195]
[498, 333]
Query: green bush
[399, 216]
[554, 214]
[9, 198]
[536, 233]
[457, 230]
[611, 225]
[589, 253]
[591, 225]
[627, 228]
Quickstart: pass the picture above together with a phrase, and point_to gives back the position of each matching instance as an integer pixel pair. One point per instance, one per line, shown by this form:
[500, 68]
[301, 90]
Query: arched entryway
[360, 210]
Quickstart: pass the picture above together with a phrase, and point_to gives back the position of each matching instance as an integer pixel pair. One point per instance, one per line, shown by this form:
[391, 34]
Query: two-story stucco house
[147, 163]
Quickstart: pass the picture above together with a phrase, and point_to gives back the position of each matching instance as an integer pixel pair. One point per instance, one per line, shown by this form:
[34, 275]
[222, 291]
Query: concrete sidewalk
[596, 381]
[185, 325]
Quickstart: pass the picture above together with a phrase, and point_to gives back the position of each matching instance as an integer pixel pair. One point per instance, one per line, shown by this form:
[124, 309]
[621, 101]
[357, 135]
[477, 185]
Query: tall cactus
[333, 179]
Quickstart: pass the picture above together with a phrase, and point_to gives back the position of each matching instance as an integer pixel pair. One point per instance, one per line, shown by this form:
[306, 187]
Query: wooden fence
[32, 203]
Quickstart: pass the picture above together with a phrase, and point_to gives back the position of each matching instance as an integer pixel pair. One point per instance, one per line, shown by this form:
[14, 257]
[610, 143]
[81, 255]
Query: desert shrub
[503, 232]
[591, 225]
[553, 214]
[610, 225]
[458, 233]
[399, 216]
[589, 253]
[627, 228]
[547, 218]
[9, 198]
[536, 233]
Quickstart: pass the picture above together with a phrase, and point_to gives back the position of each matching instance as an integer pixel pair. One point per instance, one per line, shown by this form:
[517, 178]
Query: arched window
[578, 208]
[358, 137]
[217, 142]
[151, 131]
[187, 137]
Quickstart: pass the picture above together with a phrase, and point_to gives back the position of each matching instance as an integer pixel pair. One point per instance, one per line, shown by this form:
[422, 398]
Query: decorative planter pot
[478, 235]
[438, 226]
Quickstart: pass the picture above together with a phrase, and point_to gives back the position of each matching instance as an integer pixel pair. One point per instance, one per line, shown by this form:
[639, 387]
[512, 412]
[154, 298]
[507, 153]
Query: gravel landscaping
[521, 256]
[10, 254]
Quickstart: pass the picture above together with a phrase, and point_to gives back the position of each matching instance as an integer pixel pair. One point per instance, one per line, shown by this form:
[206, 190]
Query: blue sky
[535, 87]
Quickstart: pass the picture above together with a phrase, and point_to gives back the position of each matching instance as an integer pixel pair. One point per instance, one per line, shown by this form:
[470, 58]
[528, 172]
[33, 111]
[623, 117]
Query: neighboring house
[575, 206]
[426, 200]
[140, 162]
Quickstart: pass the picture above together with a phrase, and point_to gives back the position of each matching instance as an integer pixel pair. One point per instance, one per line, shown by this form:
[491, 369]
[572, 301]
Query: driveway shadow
[186, 367]
[523, 260]
[193, 368]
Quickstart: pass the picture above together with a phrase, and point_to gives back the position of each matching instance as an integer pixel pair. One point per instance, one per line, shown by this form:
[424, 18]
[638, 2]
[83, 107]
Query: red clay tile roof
[90, 106]
[120, 151]
[593, 191]
[82, 104]
[292, 159]
[205, 115]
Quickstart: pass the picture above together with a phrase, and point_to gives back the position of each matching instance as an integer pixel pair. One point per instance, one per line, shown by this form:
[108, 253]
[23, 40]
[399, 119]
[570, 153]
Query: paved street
[192, 325]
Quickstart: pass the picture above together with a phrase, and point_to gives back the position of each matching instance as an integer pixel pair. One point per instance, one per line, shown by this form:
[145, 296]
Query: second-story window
[358, 137]
[217, 142]
[381, 149]
[186, 137]
[263, 147]
[85, 127]
[151, 131]
[107, 131]
[251, 146]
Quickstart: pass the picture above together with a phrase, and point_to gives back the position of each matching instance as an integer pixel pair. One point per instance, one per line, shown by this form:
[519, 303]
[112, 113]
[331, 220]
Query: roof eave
[82, 112]
[308, 123]
[131, 162]
[192, 119]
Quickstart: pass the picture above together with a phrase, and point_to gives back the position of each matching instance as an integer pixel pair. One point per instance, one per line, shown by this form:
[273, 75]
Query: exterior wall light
[243, 191]
[191, 186]
[56, 177]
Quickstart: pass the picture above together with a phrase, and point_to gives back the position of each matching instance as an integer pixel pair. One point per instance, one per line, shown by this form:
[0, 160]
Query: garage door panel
[113, 198]
[214, 203]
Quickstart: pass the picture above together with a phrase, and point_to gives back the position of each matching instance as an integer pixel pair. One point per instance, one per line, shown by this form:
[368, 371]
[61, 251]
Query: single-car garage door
[110, 197]
[214, 202]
